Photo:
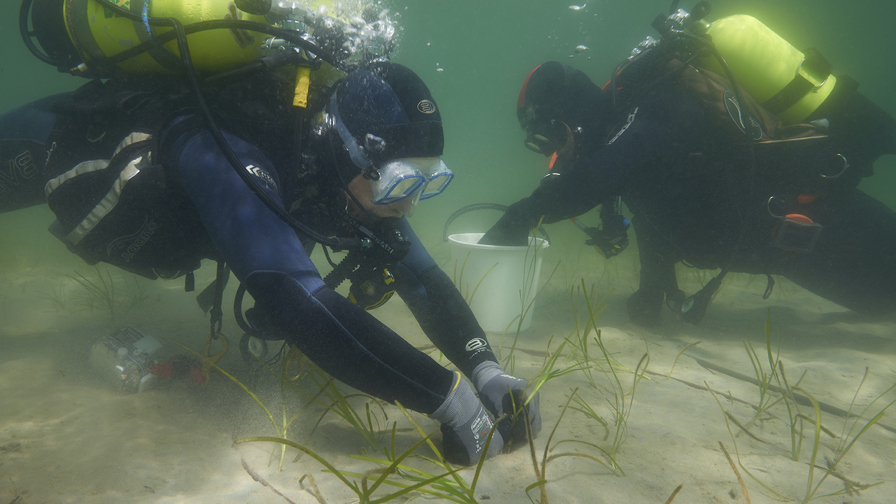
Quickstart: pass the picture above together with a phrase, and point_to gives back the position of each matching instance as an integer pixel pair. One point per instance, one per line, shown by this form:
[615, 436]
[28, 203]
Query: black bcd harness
[779, 194]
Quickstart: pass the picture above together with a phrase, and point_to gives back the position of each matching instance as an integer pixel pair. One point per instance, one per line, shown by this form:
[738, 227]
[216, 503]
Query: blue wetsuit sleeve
[439, 308]
[267, 256]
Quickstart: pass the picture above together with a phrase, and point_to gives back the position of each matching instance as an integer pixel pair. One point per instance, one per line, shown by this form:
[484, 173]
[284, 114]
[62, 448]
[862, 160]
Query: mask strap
[355, 151]
[370, 215]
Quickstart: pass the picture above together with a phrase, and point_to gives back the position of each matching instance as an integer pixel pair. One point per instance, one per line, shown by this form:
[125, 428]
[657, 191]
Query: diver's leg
[854, 261]
[24, 148]
[868, 129]
[657, 275]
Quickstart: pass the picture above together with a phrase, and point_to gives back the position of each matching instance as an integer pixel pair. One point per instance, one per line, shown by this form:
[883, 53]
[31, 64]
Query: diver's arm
[449, 323]
[657, 275]
[265, 254]
[439, 308]
[664, 124]
[656, 127]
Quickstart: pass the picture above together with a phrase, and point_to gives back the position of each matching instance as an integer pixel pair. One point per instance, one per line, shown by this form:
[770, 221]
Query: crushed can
[125, 359]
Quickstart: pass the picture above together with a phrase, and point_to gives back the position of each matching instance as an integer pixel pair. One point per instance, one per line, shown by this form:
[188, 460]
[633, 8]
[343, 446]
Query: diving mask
[418, 177]
[548, 137]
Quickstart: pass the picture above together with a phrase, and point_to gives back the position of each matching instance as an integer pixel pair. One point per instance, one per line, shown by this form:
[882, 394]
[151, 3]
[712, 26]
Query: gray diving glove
[465, 426]
[501, 393]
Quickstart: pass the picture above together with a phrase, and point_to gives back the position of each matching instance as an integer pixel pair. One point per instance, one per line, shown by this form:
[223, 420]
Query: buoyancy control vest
[783, 172]
[821, 167]
[790, 93]
[790, 166]
[116, 200]
[798, 162]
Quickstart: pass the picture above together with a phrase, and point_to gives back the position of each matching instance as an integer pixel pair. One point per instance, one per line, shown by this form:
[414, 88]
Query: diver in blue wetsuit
[137, 180]
[708, 191]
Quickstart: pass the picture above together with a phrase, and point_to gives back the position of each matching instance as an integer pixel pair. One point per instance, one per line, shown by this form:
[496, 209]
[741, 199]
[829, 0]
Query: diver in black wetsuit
[136, 180]
[702, 193]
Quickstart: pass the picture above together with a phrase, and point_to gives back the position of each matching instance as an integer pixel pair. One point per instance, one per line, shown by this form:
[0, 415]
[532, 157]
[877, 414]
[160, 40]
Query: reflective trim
[95, 164]
[107, 203]
[79, 169]
[112, 196]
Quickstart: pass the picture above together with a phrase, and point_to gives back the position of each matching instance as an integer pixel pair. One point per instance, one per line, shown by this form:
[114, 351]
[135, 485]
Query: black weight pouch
[115, 204]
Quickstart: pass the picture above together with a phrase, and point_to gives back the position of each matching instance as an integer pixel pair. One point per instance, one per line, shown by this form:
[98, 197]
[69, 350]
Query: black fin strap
[216, 313]
[769, 287]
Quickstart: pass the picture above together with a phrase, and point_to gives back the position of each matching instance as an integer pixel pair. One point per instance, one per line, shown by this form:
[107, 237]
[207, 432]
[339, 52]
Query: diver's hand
[512, 229]
[612, 238]
[506, 235]
[463, 443]
[505, 396]
[466, 426]
[609, 243]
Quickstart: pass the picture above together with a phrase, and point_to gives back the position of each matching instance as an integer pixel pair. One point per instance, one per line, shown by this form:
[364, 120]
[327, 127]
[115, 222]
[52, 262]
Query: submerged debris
[581, 48]
[577, 7]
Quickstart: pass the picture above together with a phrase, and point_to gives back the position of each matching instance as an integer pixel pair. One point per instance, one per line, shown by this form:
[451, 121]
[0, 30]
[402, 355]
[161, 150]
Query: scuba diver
[722, 165]
[252, 167]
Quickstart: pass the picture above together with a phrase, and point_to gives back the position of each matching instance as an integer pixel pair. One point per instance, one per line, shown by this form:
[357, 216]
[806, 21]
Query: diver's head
[562, 111]
[388, 135]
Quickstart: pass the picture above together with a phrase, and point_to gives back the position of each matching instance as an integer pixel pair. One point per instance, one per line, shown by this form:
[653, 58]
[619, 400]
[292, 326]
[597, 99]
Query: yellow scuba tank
[789, 83]
[98, 34]
[86, 37]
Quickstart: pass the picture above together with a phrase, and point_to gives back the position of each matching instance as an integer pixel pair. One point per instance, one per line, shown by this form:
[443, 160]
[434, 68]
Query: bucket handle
[481, 206]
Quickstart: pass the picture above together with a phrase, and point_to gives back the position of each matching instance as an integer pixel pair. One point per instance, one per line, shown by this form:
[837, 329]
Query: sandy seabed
[68, 436]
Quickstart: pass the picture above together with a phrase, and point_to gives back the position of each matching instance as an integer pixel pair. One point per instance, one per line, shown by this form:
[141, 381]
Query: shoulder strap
[718, 98]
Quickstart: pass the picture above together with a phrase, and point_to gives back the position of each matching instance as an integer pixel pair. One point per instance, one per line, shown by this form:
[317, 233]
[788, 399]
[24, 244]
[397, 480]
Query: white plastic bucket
[499, 282]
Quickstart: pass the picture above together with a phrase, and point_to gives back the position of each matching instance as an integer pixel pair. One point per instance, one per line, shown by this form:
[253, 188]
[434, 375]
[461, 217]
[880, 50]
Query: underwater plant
[541, 469]
[447, 485]
[764, 378]
[573, 355]
[368, 424]
[848, 439]
[612, 368]
[791, 396]
[57, 297]
[98, 292]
